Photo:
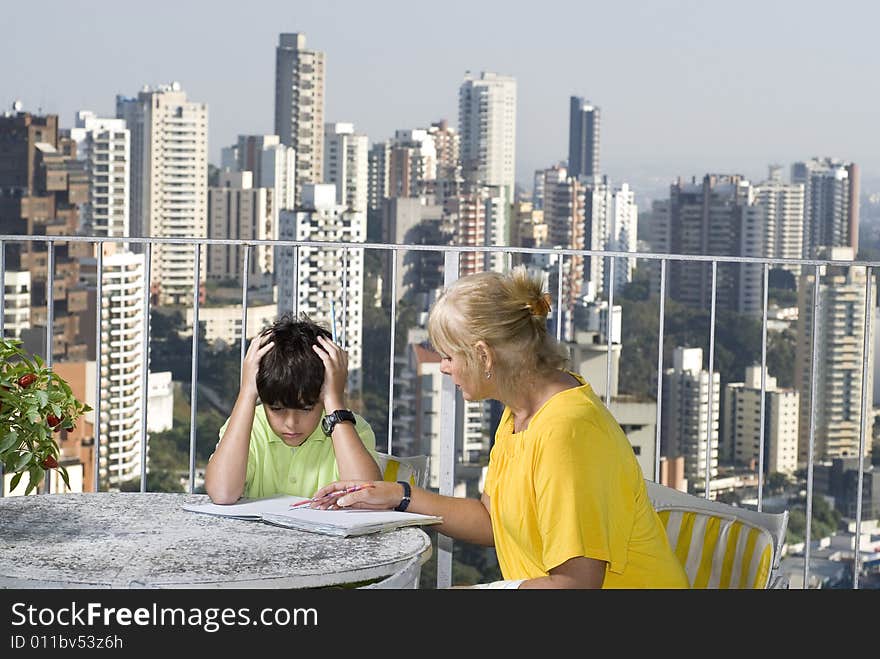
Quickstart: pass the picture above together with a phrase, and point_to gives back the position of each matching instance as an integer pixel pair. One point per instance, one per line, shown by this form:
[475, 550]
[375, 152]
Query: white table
[145, 540]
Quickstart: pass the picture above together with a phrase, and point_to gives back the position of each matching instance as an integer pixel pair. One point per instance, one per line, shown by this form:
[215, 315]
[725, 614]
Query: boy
[302, 436]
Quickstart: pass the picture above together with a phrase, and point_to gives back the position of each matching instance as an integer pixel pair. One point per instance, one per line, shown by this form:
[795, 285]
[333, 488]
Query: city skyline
[683, 88]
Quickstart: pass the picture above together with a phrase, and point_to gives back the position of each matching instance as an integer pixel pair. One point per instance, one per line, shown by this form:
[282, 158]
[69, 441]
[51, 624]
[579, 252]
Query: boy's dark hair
[291, 374]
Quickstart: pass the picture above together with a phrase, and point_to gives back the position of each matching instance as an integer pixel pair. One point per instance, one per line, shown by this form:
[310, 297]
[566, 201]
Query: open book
[277, 511]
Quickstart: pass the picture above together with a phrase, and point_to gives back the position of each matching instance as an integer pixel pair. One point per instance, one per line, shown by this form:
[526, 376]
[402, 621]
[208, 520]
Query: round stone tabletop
[146, 540]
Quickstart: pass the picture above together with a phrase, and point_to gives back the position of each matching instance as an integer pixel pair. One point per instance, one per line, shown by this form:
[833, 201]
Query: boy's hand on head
[335, 373]
[251, 366]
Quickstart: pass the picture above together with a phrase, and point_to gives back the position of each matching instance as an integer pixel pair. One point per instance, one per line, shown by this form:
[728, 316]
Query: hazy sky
[684, 87]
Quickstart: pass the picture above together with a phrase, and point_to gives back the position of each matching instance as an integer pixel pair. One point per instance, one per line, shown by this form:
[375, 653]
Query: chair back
[721, 545]
[412, 468]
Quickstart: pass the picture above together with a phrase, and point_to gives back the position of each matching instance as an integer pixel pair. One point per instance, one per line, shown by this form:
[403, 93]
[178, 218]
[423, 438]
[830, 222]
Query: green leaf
[31, 485]
[64, 476]
[15, 480]
[7, 442]
[42, 397]
[23, 461]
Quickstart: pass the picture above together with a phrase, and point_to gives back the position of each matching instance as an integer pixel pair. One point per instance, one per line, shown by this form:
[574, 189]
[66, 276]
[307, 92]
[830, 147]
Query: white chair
[720, 545]
[412, 468]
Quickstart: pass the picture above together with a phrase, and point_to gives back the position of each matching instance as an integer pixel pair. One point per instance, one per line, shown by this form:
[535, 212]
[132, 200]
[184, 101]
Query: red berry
[27, 379]
[53, 421]
[49, 462]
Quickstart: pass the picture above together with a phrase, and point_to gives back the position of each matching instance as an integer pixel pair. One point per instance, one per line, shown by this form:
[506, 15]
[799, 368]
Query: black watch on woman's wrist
[407, 493]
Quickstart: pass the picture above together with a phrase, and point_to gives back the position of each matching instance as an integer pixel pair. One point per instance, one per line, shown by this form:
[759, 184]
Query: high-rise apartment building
[299, 105]
[104, 144]
[123, 400]
[704, 218]
[42, 187]
[741, 426]
[688, 428]
[611, 219]
[583, 138]
[273, 165]
[480, 217]
[831, 203]
[313, 279]
[345, 164]
[839, 385]
[169, 183]
[17, 302]
[239, 211]
[487, 123]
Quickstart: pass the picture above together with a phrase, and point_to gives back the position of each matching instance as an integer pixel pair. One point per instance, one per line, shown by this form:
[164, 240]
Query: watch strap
[407, 494]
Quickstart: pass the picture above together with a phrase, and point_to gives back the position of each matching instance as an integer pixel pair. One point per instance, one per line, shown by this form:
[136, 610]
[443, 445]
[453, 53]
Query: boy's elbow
[221, 496]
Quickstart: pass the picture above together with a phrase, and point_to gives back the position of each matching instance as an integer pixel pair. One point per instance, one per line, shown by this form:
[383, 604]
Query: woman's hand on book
[365, 495]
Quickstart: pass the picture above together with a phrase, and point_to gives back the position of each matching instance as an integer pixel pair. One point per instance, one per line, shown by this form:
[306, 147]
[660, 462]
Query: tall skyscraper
[831, 203]
[838, 372]
[299, 105]
[169, 182]
[487, 122]
[583, 138]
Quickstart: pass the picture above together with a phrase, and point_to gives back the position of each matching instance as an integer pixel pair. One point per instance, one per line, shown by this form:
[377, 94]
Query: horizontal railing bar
[651, 256]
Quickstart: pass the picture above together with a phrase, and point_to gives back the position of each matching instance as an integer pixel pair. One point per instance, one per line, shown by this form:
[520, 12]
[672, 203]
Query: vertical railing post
[195, 371]
[711, 378]
[145, 363]
[393, 255]
[449, 434]
[99, 360]
[610, 330]
[763, 388]
[244, 306]
[50, 328]
[559, 298]
[659, 415]
[814, 348]
[866, 346]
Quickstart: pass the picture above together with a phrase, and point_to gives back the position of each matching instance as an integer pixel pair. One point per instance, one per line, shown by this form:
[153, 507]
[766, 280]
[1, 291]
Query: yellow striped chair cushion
[397, 471]
[718, 551]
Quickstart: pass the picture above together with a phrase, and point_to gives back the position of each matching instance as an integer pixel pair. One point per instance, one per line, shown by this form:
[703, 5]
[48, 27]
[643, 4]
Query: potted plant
[35, 403]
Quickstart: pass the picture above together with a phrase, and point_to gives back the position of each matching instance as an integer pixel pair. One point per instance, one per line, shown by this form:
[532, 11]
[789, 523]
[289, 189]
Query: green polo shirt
[273, 467]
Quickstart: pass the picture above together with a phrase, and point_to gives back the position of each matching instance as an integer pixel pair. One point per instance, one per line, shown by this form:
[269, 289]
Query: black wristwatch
[328, 423]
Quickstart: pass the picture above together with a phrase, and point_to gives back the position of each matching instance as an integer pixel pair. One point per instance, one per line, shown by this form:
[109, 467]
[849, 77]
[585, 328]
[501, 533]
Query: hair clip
[541, 306]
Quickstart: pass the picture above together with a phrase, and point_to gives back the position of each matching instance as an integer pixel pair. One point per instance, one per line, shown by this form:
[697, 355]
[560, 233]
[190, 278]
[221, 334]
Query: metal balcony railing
[451, 259]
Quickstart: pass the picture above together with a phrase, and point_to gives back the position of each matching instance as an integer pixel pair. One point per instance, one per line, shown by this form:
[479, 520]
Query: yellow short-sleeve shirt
[273, 467]
[569, 485]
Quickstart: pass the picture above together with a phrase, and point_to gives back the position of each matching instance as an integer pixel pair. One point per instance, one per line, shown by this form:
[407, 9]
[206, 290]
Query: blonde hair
[508, 311]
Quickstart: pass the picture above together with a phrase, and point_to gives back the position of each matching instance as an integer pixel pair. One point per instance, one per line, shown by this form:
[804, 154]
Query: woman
[564, 502]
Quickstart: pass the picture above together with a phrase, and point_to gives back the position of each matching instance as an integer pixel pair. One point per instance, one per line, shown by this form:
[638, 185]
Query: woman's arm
[463, 519]
[578, 572]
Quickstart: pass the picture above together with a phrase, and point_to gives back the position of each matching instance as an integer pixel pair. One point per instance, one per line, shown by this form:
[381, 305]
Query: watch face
[329, 422]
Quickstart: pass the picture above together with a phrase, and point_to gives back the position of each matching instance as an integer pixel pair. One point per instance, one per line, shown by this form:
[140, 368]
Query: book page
[246, 508]
[347, 521]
